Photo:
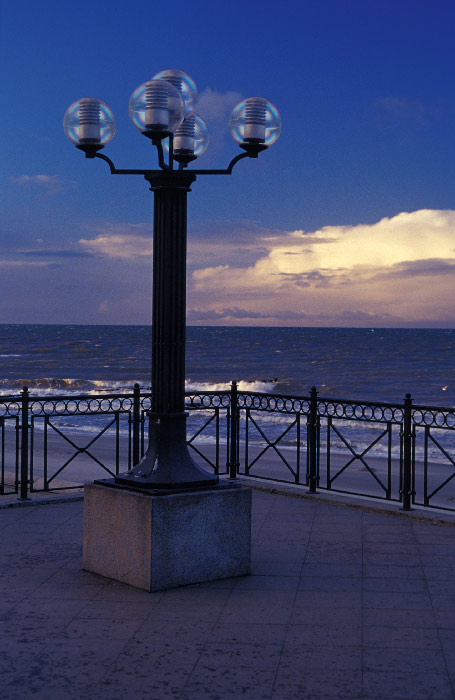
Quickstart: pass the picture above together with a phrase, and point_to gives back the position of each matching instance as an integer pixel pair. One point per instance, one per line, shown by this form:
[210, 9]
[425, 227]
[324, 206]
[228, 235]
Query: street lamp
[163, 110]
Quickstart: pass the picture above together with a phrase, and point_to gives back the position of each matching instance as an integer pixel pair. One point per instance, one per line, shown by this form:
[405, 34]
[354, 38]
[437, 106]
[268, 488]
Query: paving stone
[400, 601]
[249, 633]
[376, 617]
[330, 584]
[335, 634]
[403, 660]
[327, 599]
[275, 568]
[407, 686]
[263, 606]
[310, 685]
[273, 583]
[141, 683]
[326, 657]
[219, 682]
[318, 611]
[252, 656]
[387, 571]
[401, 638]
[389, 559]
[338, 570]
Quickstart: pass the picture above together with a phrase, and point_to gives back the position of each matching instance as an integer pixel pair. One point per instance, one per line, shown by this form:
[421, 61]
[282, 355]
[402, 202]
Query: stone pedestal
[157, 541]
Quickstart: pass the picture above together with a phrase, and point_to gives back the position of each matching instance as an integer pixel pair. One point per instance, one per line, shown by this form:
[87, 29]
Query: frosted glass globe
[184, 84]
[89, 121]
[255, 121]
[191, 138]
[156, 106]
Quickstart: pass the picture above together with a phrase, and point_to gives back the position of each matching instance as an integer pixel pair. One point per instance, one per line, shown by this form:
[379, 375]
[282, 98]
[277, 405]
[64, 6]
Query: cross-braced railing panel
[61, 449]
[204, 451]
[9, 454]
[359, 453]
[436, 484]
[282, 449]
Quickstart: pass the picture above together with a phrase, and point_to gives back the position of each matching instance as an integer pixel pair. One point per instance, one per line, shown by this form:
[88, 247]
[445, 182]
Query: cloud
[24, 263]
[54, 253]
[127, 247]
[216, 106]
[209, 272]
[122, 240]
[198, 315]
[406, 111]
[399, 270]
[401, 106]
[51, 184]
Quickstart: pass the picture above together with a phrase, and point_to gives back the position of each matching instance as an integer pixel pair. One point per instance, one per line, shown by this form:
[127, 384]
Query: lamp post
[163, 109]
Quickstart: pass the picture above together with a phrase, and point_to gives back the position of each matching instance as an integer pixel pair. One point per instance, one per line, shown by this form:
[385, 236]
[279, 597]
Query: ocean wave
[58, 385]
[242, 385]
[54, 385]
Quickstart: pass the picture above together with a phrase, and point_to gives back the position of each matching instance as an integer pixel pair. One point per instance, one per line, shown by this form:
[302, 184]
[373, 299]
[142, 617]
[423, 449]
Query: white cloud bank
[122, 241]
[398, 271]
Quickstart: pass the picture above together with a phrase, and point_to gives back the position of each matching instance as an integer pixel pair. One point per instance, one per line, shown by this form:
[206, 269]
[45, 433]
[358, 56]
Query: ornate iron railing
[396, 452]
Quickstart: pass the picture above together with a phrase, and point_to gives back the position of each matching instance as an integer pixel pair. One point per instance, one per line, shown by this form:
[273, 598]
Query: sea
[373, 364]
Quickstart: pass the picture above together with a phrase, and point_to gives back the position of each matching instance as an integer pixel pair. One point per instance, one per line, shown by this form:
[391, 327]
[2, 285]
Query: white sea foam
[68, 385]
[242, 385]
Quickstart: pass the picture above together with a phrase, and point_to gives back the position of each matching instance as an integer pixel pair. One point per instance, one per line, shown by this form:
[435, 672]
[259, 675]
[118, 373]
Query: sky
[348, 220]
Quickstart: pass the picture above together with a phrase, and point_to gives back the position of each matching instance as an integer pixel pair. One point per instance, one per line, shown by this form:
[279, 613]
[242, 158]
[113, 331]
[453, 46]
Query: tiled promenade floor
[342, 603]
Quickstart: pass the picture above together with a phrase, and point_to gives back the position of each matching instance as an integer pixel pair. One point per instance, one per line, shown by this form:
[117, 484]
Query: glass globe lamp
[255, 121]
[89, 122]
[184, 84]
[156, 107]
[191, 139]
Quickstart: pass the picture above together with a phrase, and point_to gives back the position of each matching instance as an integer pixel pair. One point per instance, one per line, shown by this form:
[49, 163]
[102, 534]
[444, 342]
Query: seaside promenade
[344, 601]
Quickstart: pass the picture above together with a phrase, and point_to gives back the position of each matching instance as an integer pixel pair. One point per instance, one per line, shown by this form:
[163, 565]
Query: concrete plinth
[159, 541]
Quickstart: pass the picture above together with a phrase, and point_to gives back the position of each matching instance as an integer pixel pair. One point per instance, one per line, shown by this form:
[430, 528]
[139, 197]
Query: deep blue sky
[366, 94]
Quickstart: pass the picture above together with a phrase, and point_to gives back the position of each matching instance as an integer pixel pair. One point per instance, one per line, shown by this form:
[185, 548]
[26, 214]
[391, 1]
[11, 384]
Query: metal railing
[397, 452]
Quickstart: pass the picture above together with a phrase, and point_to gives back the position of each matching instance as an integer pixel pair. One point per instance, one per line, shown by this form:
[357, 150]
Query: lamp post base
[167, 464]
[157, 541]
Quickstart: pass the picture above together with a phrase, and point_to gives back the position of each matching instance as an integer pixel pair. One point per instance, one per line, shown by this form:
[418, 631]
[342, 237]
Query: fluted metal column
[167, 462]
[169, 300]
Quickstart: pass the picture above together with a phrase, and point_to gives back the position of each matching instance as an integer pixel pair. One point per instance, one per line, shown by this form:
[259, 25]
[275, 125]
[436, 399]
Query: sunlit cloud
[126, 247]
[121, 240]
[396, 271]
[209, 272]
[225, 314]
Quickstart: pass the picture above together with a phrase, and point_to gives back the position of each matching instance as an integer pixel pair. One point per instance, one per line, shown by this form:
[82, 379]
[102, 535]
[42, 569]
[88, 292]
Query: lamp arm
[159, 147]
[119, 171]
[235, 160]
[111, 165]
[169, 168]
[227, 171]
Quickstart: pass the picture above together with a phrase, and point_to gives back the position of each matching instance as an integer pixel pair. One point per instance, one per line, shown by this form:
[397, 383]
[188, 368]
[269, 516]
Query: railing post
[406, 490]
[234, 436]
[312, 427]
[136, 423]
[24, 444]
